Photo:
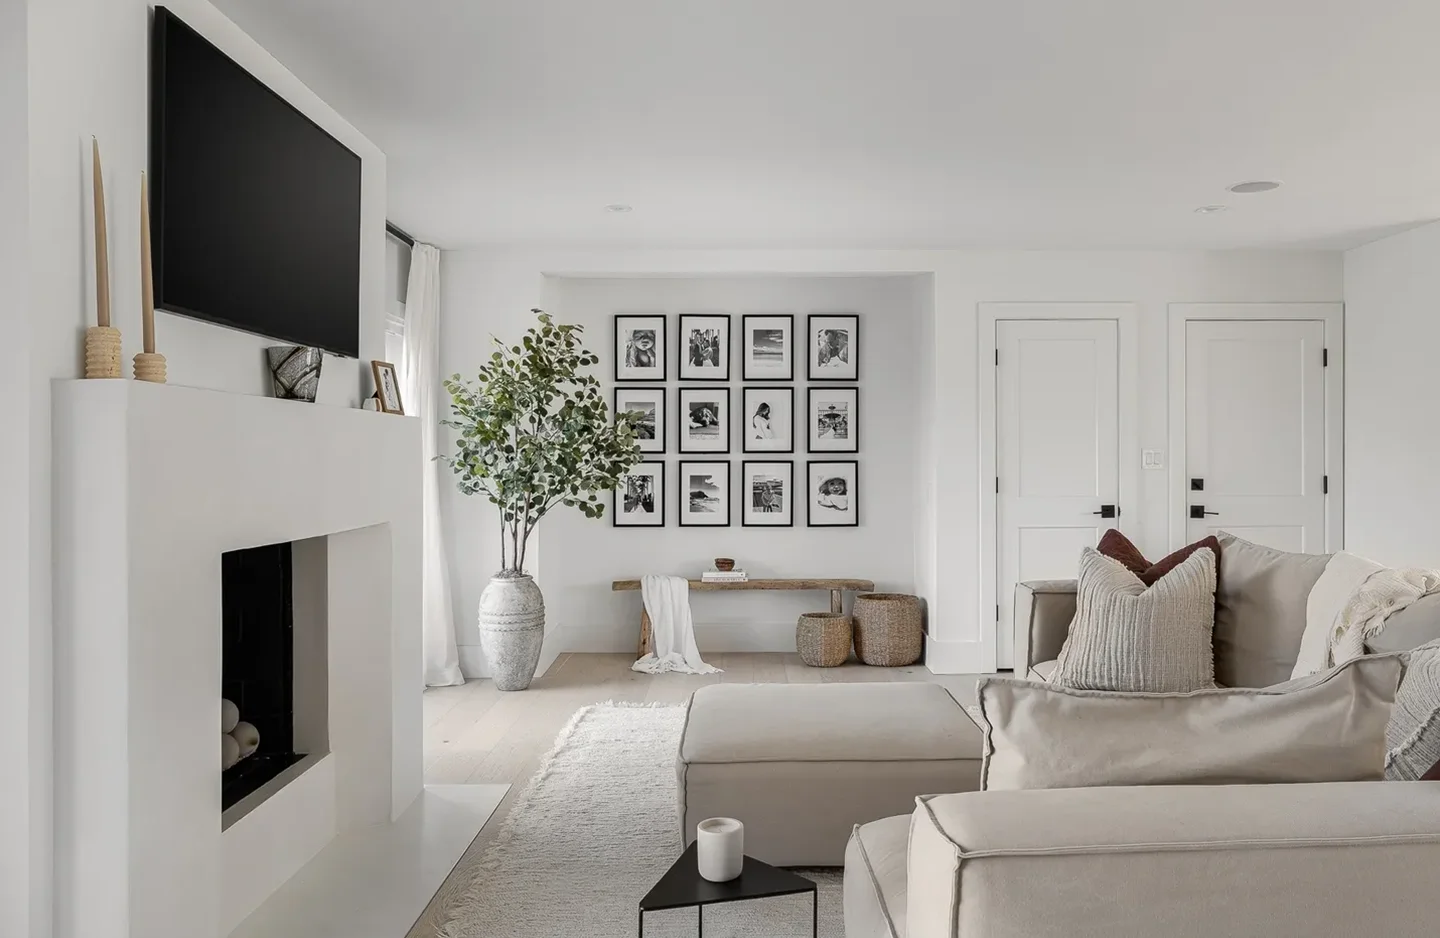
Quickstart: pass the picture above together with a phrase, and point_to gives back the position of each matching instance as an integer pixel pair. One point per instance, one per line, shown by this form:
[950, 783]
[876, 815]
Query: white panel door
[1057, 451]
[1255, 431]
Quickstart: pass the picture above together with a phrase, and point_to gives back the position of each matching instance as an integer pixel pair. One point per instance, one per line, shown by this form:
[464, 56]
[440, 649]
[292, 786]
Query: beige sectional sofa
[1352, 858]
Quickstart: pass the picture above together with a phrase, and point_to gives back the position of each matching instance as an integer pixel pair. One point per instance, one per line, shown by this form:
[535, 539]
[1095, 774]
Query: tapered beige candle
[147, 286]
[102, 251]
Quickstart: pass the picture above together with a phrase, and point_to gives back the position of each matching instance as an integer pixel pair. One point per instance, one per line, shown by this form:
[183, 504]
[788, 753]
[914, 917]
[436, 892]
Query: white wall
[582, 557]
[88, 67]
[1392, 452]
[24, 778]
[487, 291]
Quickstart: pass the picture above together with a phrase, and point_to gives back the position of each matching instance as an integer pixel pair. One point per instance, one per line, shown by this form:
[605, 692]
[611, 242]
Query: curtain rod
[399, 234]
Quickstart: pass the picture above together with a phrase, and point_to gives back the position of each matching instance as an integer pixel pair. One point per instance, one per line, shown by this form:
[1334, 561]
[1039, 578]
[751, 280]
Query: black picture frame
[745, 465]
[853, 431]
[661, 372]
[813, 367]
[682, 421]
[661, 418]
[683, 496]
[659, 499]
[854, 511]
[745, 417]
[682, 349]
[745, 370]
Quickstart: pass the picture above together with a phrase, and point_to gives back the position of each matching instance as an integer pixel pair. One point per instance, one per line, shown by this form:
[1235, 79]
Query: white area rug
[593, 831]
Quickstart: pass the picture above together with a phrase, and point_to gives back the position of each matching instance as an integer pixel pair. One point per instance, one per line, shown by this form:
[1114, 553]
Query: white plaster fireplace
[153, 483]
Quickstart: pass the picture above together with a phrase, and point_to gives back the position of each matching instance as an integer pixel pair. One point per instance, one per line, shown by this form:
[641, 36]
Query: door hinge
[1324, 358]
[997, 356]
[997, 612]
[1324, 485]
[997, 485]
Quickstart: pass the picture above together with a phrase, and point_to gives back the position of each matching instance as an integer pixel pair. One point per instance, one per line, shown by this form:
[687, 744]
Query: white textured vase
[720, 848]
[512, 629]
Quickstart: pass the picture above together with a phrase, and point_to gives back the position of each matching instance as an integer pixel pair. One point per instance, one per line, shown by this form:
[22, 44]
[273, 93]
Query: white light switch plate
[1152, 459]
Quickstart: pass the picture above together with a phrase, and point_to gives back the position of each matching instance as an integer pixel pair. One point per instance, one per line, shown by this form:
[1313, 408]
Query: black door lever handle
[1106, 511]
[1198, 511]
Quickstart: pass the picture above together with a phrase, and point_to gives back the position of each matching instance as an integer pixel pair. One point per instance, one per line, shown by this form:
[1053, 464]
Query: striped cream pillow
[1129, 637]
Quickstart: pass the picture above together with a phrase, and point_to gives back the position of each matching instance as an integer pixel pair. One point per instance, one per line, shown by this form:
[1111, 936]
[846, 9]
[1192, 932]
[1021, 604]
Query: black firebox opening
[258, 669]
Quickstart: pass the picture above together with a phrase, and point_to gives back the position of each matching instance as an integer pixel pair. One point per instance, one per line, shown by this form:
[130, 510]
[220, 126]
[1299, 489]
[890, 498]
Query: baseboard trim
[953, 657]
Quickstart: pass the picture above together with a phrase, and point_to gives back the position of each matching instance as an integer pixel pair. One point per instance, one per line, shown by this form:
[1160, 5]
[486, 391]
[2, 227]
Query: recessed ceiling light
[618, 208]
[1210, 209]
[1259, 185]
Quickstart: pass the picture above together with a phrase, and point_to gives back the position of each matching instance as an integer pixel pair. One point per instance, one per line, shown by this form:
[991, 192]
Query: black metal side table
[683, 886]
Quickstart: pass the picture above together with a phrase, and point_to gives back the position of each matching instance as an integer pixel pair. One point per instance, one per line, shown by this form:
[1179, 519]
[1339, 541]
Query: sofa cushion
[1130, 637]
[1413, 736]
[1328, 727]
[1260, 611]
[1415, 625]
[1119, 548]
[874, 893]
[1043, 670]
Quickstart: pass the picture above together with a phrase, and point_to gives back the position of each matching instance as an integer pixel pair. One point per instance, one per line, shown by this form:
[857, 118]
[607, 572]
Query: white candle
[720, 848]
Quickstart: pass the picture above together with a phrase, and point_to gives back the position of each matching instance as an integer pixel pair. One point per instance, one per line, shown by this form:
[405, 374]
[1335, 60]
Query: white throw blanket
[1350, 604]
[672, 630]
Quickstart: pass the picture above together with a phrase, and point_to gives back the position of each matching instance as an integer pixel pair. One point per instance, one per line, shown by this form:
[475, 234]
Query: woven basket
[823, 639]
[887, 629]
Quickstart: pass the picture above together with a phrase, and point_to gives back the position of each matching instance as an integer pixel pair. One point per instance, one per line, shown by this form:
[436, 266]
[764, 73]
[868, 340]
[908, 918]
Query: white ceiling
[889, 123]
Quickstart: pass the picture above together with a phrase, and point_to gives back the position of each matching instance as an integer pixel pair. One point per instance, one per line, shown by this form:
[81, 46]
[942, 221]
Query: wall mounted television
[255, 209]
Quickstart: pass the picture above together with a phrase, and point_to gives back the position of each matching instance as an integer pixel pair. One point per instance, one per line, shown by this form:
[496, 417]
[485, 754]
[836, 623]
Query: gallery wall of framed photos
[779, 390]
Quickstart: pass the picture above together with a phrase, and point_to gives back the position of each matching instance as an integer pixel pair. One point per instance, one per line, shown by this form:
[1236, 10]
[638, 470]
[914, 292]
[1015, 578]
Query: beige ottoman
[802, 764]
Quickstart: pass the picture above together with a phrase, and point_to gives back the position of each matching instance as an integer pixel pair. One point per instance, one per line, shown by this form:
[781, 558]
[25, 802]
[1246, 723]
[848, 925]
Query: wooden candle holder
[150, 366]
[102, 352]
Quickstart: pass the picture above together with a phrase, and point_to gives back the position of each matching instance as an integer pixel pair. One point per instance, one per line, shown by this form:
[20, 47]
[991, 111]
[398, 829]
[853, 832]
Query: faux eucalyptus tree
[533, 433]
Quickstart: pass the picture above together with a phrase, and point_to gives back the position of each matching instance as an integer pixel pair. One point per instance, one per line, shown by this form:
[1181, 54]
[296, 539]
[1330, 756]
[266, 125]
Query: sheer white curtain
[420, 390]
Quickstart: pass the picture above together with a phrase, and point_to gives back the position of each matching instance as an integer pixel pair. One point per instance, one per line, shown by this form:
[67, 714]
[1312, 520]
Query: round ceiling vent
[1210, 209]
[618, 208]
[1258, 185]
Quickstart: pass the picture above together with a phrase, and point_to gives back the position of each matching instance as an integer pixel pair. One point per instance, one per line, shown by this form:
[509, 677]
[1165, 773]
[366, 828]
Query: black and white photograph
[704, 420]
[767, 422]
[832, 496]
[834, 342]
[767, 494]
[705, 494]
[640, 347]
[704, 347]
[640, 497]
[650, 404]
[833, 419]
[767, 347]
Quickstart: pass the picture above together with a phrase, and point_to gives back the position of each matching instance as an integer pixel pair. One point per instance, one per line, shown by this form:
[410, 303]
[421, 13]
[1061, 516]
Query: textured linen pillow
[1129, 637]
[1413, 736]
[1260, 611]
[1328, 727]
[1119, 548]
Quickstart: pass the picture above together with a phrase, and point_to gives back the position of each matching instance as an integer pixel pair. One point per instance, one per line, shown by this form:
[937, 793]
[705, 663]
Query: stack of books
[726, 576]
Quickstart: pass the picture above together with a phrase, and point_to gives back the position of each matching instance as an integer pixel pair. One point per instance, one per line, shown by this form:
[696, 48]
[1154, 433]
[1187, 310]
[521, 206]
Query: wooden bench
[836, 589]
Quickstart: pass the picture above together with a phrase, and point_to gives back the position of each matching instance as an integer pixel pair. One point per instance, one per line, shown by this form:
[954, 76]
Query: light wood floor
[476, 734]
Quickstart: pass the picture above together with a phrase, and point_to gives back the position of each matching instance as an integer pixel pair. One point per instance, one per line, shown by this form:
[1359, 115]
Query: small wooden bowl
[724, 564]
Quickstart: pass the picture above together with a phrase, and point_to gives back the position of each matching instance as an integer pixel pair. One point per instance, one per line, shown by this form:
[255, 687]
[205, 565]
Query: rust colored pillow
[1433, 775]
[1118, 548]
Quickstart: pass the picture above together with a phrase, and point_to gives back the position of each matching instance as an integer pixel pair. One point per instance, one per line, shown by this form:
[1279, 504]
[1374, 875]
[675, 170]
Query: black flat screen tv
[255, 211]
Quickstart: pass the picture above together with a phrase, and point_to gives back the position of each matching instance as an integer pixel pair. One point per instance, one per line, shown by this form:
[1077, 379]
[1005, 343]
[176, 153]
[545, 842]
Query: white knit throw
[1384, 593]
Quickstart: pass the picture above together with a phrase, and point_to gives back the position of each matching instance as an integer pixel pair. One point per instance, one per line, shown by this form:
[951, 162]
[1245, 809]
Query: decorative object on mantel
[724, 564]
[238, 740]
[149, 364]
[387, 388]
[534, 434]
[102, 341]
[295, 371]
[888, 630]
[823, 639]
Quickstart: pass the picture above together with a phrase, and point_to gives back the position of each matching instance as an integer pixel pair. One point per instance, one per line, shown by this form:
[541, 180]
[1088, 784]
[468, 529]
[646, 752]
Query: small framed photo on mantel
[834, 346]
[832, 494]
[768, 347]
[640, 347]
[387, 388]
[705, 494]
[640, 497]
[704, 346]
[650, 404]
[834, 419]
